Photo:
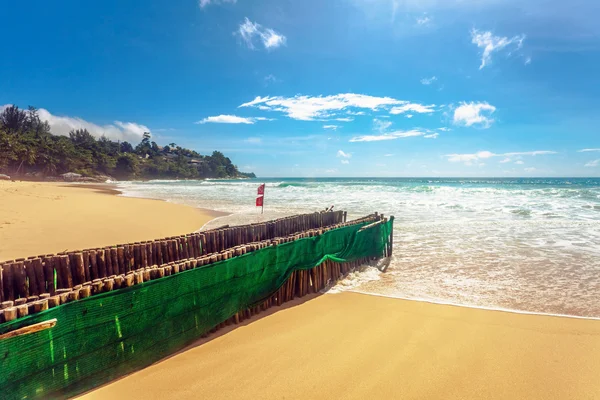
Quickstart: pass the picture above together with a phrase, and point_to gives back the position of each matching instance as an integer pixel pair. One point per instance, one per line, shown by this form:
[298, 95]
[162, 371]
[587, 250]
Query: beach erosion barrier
[47, 274]
[63, 343]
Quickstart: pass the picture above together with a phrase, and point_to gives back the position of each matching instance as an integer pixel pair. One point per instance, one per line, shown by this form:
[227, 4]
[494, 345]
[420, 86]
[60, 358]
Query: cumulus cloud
[251, 32]
[594, 163]
[231, 119]
[519, 162]
[62, 125]
[428, 81]
[474, 114]
[332, 127]
[345, 162]
[204, 3]
[506, 160]
[308, 108]
[490, 44]
[389, 136]
[342, 154]
[469, 158]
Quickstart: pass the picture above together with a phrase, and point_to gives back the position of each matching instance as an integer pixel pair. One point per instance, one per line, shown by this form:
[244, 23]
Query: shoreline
[115, 190]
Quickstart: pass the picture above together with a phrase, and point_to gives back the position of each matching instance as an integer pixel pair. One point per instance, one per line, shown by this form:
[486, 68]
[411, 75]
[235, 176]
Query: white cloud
[594, 163]
[204, 3]
[381, 125]
[527, 60]
[530, 169]
[408, 116]
[469, 158]
[308, 108]
[490, 44]
[345, 119]
[253, 140]
[470, 114]
[418, 108]
[332, 127]
[444, 129]
[423, 21]
[388, 155]
[345, 162]
[342, 154]
[587, 150]
[231, 119]
[519, 162]
[389, 136]
[530, 153]
[431, 136]
[62, 125]
[428, 81]
[506, 160]
[331, 171]
[250, 31]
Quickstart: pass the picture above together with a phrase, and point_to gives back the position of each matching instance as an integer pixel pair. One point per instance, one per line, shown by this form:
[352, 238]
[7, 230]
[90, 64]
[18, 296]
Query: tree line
[28, 148]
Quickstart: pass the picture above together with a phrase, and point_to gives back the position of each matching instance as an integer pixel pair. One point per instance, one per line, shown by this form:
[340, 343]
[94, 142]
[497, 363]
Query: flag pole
[262, 209]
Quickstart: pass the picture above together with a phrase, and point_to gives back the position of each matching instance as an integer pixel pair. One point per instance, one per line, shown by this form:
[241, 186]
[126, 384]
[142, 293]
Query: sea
[519, 244]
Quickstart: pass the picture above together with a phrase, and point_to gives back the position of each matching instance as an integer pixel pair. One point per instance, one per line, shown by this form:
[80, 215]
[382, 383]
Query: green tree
[13, 120]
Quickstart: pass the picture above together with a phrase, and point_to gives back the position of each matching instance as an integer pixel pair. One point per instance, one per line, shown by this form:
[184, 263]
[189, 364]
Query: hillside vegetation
[28, 149]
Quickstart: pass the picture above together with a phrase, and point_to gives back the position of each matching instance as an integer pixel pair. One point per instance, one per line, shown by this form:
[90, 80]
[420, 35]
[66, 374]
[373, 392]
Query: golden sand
[342, 346]
[353, 346]
[42, 218]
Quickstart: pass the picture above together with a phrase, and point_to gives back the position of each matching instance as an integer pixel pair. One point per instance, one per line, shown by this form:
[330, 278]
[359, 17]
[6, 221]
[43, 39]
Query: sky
[311, 88]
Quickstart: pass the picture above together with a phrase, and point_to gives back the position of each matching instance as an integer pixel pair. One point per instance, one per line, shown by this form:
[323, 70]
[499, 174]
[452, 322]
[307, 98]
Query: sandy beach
[42, 218]
[355, 346]
[347, 345]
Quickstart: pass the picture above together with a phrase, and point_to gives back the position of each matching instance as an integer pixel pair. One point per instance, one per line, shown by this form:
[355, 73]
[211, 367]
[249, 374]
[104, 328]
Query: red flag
[259, 201]
[261, 189]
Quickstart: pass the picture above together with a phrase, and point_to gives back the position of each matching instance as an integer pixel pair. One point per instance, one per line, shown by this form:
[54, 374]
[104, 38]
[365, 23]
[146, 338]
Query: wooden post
[114, 258]
[8, 281]
[101, 261]
[10, 314]
[20, 279]
[38, 269]
[79, 271]
[86, 265]
[108, 262]
[30, 281]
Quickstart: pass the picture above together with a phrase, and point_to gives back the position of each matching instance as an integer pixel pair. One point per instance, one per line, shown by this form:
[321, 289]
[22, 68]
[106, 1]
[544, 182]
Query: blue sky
[322, 88]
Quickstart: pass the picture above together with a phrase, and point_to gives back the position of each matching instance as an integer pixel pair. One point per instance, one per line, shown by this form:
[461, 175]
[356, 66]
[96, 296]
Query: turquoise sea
[521, 244]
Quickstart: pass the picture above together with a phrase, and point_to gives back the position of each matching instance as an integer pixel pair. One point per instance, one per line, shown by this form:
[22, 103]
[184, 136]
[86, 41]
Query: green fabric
[102, 337]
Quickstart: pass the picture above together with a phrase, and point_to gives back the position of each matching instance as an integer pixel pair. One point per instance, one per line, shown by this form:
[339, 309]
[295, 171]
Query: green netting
[102, 337]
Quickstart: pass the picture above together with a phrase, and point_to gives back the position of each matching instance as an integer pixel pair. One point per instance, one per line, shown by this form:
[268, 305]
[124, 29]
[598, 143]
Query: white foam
[532, 246]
